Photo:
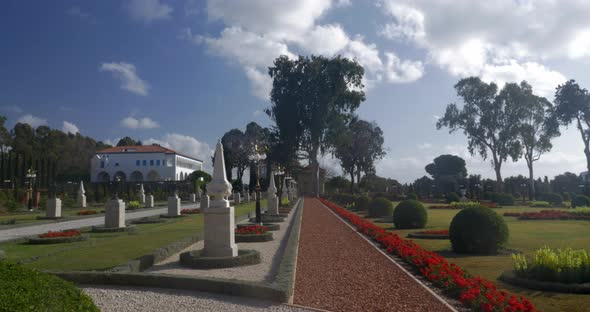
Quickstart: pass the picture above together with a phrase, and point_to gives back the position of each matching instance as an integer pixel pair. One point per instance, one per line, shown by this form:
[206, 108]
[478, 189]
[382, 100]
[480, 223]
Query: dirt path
[338, 270]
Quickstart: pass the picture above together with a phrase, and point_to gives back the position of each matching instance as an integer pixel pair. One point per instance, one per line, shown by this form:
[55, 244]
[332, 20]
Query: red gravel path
[338, 270]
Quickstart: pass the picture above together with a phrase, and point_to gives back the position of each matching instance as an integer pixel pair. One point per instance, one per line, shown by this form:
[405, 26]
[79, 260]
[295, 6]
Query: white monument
[193, 198]
[53, 208]
[174, 205]
[246, 196]
[272, 200]
[149, 201]
[141, 195]
[219, 217]
[237, 198]
[81, 200]
[114, 216]
[285, 193]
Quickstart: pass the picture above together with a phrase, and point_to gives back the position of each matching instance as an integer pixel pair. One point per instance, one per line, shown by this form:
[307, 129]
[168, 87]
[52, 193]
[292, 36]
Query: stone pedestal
[149, 201]
[81, 201]
[219, 232]
[173, 206]
[193, 198]
[273, 205]
[114, 216]
[53, 208]
[246, 197]
[142, 199]
[237, 198]
[204, 202]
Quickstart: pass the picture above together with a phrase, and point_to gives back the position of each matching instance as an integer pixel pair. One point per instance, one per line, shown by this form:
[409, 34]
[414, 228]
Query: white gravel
[76, 224]
[264, 271]
[126, 299]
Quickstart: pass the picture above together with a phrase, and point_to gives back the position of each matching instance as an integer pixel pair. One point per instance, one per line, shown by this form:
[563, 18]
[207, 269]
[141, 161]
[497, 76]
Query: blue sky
[183, 72]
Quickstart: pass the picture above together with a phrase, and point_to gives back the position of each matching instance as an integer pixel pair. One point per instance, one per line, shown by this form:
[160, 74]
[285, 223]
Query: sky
[183, 72]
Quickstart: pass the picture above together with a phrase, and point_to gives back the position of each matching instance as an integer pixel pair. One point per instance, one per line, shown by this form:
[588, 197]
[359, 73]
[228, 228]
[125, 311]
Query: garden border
[254, 238]
[510, 278]
[280, 289]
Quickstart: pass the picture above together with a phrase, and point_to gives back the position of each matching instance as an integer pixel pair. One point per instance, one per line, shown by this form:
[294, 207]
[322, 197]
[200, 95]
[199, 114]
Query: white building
[142, 163]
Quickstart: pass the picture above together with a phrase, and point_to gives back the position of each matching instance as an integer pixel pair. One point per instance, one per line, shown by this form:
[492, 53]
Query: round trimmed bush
[582, 200]
[380, 207]
[553, 198]
[410, 214]
[504, 199]
[452, 197]
[478, 230]
[25, 289]
[362, 203]
[412, 196]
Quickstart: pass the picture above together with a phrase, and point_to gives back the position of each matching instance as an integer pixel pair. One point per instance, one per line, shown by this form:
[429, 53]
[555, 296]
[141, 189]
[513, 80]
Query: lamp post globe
[256, 157]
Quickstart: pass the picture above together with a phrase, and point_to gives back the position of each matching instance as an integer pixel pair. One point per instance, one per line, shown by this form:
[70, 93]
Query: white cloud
[32, 120]
[343, 3]
[324, 39]
[69, 127]
[408, 22]
[147, 11]
[139, 123]
[127, 74]
[186, 145]
[261, 83]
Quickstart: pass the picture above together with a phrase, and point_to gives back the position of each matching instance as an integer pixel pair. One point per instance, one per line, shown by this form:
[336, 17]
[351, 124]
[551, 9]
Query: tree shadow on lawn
[448, 253]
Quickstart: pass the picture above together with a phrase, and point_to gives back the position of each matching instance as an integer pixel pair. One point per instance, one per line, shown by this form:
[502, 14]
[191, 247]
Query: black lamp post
[256, 157]
[31, 175]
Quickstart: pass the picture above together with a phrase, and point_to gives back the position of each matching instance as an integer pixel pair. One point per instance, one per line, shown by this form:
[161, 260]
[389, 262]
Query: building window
[145, 162]
[151, 162]
[102, 163]
[116, 164]
[137, 162]
[157, 162]
[164, 162]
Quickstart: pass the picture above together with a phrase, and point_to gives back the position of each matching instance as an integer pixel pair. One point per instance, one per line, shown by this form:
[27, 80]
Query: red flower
[68, 233]
[190, 211]
[252, 229]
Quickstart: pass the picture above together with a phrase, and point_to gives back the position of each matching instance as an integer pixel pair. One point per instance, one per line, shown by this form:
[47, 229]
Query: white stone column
[174, 205]
[53, 208]
[219, 217]
[237, 198]
[81, 199]
[141, 195]
[246, 197]
[193, 198]
[204, 202]
[114, 216]
[149, 201]
[272, 200]
[285, 193]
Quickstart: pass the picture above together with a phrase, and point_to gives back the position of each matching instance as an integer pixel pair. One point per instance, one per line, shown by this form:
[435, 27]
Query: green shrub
[380, 207]
[540, 204]
[552, 198]
[134, 204]
[582, 200]
[452, 197]
[412, 196]
[561, 265]
[463, 205]
[478, 230]
[24, 289]
[362, 203]
[504, 199]
[567, 196]
[12, 205]
[410, 214]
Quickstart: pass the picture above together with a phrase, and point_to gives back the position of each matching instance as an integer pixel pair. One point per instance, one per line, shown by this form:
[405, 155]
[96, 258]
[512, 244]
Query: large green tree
[488, 120]
[308, 94]
[235, 153]
[128, 141]
[572, 105]
[536, 125]
[357, 146]
[448, 172]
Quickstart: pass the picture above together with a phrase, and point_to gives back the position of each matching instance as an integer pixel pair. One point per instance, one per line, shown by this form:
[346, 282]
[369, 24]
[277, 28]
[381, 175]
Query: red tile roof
[142, 149]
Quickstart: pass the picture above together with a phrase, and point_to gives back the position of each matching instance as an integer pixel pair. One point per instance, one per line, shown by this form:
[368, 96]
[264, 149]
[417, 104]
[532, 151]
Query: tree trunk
[531, 181]
[587, 153]
[498, 178]
[352, 182]
[315, 171]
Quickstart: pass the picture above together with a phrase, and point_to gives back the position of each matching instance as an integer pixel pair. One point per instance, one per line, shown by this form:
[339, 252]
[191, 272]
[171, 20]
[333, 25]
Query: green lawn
[107, 250]
[525, 236]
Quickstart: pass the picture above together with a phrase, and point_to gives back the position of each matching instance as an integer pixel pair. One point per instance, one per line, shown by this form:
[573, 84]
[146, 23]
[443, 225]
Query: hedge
[253, 238]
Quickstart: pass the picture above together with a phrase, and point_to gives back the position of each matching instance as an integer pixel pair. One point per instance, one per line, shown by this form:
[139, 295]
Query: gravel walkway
[338, 270]
[126, 299]
[270, 252]
[76, 224]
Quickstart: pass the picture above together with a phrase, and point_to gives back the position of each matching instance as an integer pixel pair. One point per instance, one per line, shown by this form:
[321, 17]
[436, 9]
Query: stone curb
[510, 278]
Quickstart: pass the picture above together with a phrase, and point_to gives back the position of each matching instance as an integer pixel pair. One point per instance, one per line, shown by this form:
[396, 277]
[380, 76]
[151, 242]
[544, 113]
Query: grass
[106, 250]
[525, 236]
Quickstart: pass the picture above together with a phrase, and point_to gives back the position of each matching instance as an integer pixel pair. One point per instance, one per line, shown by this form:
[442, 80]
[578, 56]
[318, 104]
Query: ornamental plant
[380, 207]
[478, 230]
[134, 204]
[87, 212]
[68, 233]
[578, 214]
[582, 201]
[252, 229]
[463, 205]
[548, 265]
[474, 292]
[362, 203]
[190, 211]
[410, 214]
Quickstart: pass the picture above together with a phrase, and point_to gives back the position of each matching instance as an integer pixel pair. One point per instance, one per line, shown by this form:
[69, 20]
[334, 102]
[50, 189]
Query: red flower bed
[436, 232]
[489, 205]
[68, 233]
[253, 229]
[547, 215]
[87, 212]
[190, 211]
[475, 292]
